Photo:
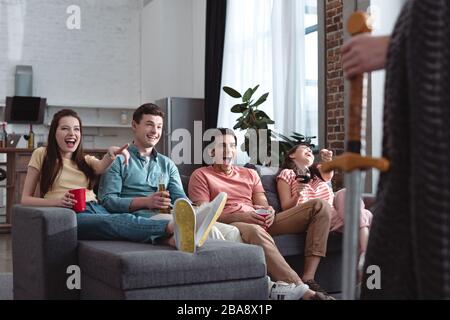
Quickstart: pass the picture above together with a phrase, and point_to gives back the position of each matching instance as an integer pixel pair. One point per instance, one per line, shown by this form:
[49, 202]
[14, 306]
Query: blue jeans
[96, 223]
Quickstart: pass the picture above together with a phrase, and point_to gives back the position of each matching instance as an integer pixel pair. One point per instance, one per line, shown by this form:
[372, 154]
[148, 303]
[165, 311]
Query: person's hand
[326, 155]
[67, 201]
[269, 219]
[159, 200]
[115, 151]
[298, 187]
[250, 217]
[364, 53]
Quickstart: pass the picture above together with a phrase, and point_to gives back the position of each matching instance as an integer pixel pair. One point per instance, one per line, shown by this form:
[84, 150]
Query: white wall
[96, 65]
[199, 44]
[173, 49]
[123, 46]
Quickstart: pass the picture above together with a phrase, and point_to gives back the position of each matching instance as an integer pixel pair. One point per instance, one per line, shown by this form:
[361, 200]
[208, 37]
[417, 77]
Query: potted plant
[252, 118]
[286, 143]
[256, 119]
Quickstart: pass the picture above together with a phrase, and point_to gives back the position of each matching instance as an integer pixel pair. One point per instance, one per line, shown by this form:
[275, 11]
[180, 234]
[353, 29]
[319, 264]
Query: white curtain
[247, 59]
[288, 39]
[264, 43]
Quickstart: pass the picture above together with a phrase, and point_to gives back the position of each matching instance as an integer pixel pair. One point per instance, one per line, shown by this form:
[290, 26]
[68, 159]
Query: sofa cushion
[268, 177]
[269, 183]
[128, 265]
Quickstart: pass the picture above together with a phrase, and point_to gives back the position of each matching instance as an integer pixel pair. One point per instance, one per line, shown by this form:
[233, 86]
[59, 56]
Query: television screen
[26, 110]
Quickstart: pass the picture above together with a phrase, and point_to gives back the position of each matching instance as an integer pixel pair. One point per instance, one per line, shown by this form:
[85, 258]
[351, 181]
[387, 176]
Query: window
[273, 43]
[311, 99]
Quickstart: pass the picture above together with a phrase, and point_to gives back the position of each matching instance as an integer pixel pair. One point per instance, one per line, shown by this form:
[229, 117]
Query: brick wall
[335, 129]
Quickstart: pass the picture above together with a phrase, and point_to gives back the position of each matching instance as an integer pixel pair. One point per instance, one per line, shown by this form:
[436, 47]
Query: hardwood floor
[5, 253]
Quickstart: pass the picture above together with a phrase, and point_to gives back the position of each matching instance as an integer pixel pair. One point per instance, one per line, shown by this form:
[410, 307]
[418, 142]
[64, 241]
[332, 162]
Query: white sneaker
[207, 215]
[191, 229]
[287, 291]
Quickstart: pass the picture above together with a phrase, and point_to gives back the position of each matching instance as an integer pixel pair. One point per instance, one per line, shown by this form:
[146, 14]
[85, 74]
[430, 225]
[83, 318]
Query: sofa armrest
[44, 244]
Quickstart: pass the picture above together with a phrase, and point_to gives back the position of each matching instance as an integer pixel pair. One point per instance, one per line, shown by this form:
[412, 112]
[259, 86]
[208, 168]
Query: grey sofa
[44, 243]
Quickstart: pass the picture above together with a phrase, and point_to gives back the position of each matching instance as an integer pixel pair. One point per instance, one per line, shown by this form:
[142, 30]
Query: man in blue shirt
[135, 187]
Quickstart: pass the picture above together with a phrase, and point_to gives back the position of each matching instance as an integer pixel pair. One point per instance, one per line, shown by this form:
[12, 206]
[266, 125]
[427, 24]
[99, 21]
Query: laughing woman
[295, 188]
[62, 166]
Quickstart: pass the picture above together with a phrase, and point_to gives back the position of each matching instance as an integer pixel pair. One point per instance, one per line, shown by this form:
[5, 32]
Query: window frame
[319, 28]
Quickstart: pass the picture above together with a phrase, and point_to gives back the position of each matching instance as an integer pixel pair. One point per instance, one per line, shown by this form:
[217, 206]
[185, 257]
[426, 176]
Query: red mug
[80, 196]
[263, 213]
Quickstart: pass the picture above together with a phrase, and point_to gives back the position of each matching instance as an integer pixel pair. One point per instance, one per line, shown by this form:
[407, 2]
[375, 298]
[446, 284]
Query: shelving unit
[102, 116]
[103, 125]
[63, 106]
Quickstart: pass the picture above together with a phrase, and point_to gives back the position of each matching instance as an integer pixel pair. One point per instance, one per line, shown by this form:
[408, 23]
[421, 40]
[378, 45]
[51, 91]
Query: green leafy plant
[251, 118]
[286, 143]
[254, 118]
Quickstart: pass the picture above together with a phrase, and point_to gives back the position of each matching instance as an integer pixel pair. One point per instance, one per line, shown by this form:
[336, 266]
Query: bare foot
[168, 242]
[308, 295]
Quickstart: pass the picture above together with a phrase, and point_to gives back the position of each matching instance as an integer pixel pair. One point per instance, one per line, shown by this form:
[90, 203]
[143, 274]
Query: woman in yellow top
[62, 166]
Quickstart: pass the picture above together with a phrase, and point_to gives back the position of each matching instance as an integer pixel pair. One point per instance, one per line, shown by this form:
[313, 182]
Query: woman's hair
[288, 163]
[52, 163]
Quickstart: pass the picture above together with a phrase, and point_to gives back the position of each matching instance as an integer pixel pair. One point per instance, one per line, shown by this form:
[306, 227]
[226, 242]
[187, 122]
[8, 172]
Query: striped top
[314, 189]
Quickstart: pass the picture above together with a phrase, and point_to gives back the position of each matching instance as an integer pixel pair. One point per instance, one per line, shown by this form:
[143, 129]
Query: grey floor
[5, 267]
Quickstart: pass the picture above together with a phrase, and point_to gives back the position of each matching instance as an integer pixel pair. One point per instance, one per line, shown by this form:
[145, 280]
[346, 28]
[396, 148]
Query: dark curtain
[216, 12]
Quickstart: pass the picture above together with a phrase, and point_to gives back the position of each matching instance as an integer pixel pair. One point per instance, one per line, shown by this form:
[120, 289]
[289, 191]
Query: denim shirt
[121, 183]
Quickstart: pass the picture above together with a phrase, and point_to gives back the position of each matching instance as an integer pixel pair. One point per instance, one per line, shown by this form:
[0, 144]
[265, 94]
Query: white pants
[220, 231]
[227, 231]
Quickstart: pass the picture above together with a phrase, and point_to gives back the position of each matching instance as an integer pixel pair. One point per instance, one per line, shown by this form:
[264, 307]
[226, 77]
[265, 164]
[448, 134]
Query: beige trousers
[312, 217]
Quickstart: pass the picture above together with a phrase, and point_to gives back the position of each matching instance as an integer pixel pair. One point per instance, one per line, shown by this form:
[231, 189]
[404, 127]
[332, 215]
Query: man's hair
[224, 132]
[147, 108]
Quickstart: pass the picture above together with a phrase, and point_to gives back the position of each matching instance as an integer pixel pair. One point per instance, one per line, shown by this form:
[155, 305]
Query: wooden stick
[350, 161]
[358, 23]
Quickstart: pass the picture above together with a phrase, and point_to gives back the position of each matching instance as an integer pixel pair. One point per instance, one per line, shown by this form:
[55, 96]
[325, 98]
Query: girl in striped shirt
[299, 181]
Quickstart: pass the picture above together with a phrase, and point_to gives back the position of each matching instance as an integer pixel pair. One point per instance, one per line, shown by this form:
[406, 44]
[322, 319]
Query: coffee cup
[80, 196]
